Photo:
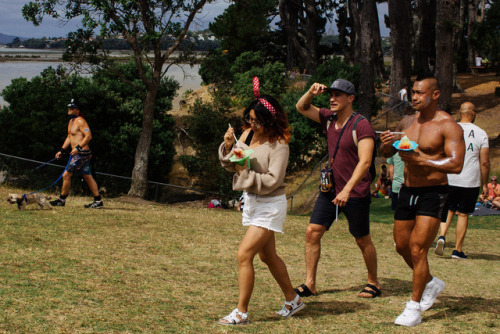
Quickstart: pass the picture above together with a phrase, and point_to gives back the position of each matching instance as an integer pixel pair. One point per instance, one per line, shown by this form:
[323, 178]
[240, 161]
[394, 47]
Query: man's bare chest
[428, 136]
[73, 129]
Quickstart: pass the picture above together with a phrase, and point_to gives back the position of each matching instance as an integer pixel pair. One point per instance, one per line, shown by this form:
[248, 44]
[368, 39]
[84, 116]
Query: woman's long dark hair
[275, 126]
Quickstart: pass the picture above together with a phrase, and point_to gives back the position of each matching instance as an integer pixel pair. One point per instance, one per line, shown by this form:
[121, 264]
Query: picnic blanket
[484, 211]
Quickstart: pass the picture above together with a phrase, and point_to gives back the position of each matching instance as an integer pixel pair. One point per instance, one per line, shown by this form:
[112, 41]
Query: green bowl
[242, 160]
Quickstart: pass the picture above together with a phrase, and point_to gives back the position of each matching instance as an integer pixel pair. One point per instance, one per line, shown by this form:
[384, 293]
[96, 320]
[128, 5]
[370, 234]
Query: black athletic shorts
[422, 201]
[357, 212]
[394, 200]
[463, 199]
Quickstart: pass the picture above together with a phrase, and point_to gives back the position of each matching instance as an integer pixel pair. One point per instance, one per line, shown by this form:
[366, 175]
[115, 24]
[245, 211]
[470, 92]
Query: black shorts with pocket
[463, 199]
[422, 201]
[357, 212]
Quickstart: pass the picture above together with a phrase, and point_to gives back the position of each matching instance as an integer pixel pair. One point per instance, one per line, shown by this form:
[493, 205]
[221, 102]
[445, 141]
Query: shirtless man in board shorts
[422, 198]
[78, 138]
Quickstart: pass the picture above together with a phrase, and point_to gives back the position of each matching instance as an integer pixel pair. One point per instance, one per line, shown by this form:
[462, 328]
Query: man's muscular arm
[484, 159]
[304, 105]
[387, 138]
[454, 151]
[365, 151]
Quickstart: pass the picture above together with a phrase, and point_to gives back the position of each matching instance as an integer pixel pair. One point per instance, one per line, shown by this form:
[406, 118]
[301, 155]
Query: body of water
[187, 76]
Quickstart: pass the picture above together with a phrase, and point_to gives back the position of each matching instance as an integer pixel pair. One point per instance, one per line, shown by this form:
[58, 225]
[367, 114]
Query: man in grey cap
[350, 157]
[76, 144]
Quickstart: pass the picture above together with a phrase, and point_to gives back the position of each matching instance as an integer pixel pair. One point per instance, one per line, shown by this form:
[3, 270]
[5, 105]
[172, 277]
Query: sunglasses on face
[250, 120]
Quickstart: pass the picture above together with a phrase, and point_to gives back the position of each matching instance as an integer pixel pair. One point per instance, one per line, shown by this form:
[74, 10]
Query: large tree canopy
[143, 23]
[37, 108]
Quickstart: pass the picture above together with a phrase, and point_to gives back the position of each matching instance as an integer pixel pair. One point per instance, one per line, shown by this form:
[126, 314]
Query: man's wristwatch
[78, 148]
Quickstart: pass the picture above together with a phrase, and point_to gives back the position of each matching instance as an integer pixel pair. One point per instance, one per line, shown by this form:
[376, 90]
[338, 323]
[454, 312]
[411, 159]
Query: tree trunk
[425, 35]
[304, 34]
[346, 35]
[139, 185]
[472, 11]
[313, 23]
[474, 7]
[355, 46]
[289, 19]
[458, 39]
[399, 19]
[444, 50]
[376, 47]
[367, 54]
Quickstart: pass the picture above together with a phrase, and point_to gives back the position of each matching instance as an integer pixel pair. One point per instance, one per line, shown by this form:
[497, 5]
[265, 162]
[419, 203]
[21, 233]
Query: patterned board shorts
[80, 163]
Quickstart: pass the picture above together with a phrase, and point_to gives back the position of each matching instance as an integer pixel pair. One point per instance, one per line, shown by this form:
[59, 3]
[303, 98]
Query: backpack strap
[371, 170]
[354, 126]
[328, 122]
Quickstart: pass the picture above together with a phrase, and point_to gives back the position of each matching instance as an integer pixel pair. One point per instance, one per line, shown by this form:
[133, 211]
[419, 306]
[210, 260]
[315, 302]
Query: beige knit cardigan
[268, 164]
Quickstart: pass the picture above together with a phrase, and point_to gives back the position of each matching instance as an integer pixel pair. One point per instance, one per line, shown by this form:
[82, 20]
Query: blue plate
[413, 146]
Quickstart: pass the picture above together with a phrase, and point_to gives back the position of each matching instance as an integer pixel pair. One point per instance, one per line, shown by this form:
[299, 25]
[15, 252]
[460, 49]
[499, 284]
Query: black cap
[343, 86]
[74, 104]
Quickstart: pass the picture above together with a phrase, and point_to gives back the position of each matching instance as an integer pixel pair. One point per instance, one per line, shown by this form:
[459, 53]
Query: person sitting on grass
[383, 184]
[493, 191]
[266, 132]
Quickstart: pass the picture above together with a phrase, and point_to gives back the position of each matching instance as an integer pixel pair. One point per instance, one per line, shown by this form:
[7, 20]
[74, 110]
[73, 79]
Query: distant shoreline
[55, 55]
[16, 59]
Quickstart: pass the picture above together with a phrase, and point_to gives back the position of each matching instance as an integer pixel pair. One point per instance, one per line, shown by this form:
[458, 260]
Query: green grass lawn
[143, 267]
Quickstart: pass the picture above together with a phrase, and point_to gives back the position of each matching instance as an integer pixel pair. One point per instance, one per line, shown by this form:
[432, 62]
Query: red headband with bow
[256, 93]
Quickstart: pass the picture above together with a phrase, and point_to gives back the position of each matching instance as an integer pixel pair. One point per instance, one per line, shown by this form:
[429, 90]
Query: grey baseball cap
[343, 86]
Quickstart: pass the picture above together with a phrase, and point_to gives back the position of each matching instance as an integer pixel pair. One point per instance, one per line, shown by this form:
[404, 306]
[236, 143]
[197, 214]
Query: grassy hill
[137, 266]
[4, 39]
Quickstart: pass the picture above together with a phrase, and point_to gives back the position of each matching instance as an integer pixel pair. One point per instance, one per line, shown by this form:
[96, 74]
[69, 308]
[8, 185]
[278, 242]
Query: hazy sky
[13, 23]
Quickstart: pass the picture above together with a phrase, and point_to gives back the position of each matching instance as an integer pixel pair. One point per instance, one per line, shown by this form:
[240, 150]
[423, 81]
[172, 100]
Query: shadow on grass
[472, 256]
[389, 287]
[395, 287]
[317, 309]
[326, 292]
[457, 306]
[479, 256]
[118, 209]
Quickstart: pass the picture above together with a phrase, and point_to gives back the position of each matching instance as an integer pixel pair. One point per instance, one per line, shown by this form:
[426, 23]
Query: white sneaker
[431, 291]
[295, 306]
[411, 316]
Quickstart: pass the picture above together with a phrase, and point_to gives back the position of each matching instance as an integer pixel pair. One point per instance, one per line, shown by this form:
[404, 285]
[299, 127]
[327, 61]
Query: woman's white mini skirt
[264, 211]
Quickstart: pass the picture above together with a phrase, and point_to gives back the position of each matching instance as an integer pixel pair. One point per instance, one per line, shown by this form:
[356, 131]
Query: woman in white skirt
[267, 133]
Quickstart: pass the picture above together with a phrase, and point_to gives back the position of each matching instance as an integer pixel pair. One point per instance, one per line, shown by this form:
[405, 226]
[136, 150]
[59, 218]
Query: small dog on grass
[26, 199]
